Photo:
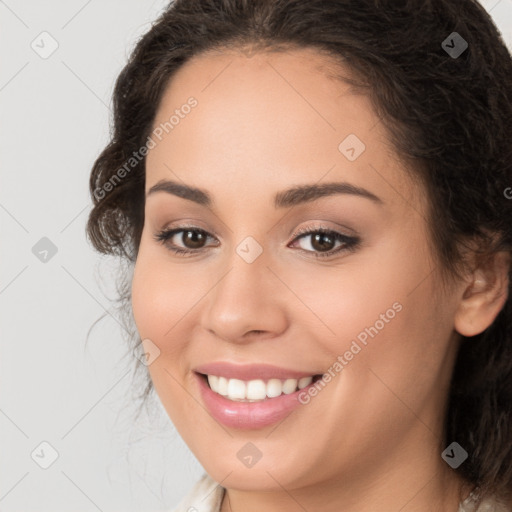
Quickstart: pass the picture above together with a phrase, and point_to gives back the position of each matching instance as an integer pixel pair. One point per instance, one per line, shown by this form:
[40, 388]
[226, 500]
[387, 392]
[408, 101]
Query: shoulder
[205, 496]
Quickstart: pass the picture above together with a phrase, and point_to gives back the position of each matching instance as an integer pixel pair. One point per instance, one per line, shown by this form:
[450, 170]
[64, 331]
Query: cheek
[161, 301]
[383, 314]
[350, 298]
[159, 296]
[403, 363]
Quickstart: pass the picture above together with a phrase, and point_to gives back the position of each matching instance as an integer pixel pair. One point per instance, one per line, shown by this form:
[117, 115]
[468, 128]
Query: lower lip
[248, 415]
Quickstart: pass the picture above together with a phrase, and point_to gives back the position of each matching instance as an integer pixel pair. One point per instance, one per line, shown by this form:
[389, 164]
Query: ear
[483, 295]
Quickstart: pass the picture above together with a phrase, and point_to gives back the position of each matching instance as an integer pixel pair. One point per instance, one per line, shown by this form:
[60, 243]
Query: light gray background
[54, 121]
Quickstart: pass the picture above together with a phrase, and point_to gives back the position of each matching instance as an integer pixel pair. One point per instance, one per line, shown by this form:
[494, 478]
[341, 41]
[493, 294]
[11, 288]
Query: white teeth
[222, 386]
[255, 390]
[236, 389]
[213, 380]
[305, 381]
[274, 388]
[289, 386]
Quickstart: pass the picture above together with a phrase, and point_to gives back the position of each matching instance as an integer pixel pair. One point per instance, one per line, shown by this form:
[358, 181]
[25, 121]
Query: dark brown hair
[450, 115]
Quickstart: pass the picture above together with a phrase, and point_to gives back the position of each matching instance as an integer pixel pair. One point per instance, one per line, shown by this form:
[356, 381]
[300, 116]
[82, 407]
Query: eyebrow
[284, 199]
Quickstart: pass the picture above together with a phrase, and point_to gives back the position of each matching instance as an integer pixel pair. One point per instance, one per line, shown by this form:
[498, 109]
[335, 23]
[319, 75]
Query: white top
[207, 496]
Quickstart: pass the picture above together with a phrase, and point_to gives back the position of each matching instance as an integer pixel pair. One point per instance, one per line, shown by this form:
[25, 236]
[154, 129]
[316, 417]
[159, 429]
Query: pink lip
[248, 415]
[251, 371]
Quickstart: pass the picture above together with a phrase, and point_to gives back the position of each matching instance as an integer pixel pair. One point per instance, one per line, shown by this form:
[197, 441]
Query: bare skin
[372, 438]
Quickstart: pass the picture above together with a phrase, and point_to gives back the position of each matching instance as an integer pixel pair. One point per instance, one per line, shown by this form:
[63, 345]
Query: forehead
[269, 120]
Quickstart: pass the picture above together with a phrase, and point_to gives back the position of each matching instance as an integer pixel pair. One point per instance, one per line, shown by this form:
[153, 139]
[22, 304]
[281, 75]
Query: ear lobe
[484, 295]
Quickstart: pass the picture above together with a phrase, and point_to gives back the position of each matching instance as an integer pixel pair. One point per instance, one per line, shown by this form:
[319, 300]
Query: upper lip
[250, 371]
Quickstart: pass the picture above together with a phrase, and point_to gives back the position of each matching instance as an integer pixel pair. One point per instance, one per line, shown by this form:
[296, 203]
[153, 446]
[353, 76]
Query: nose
[246, 303]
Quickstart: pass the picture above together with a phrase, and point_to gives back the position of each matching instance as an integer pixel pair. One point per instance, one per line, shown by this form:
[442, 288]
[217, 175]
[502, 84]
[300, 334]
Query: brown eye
[192, 240]
[321, 242]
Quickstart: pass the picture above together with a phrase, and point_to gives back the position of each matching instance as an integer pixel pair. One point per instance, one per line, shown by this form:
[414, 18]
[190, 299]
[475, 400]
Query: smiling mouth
[257, 390]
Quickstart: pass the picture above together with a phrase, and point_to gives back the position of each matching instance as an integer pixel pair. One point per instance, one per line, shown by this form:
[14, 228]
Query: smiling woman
[328, 221]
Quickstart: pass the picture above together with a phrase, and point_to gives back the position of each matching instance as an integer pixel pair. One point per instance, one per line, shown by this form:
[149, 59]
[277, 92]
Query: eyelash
[350, 242]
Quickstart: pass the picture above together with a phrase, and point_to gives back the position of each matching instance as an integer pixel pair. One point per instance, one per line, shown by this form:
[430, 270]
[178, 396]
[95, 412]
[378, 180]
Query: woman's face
[256, 292]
